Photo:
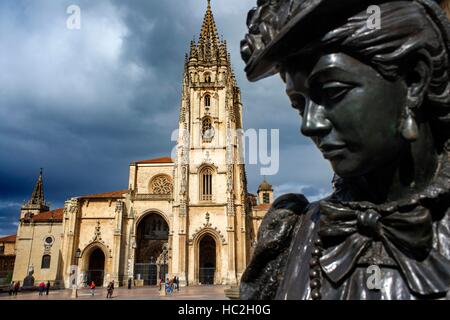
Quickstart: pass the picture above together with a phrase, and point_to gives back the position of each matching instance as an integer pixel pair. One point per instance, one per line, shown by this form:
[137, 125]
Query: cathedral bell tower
[210, 182]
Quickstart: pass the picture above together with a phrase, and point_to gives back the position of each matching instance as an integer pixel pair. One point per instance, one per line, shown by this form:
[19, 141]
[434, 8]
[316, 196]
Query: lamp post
[75, 275]
[165, 258]
[152, 262]
[164, 264]
[164, 254]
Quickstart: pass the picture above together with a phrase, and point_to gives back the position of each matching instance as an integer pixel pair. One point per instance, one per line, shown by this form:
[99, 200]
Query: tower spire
[209, 29]
[37, 197]
[37, 203]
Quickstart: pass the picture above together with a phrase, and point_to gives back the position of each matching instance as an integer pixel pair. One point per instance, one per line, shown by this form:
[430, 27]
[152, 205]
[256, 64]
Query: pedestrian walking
[129, 283]
[110, 289]
[178, 283]
[47, 288]
[11, 288]
[41, 288]
[174, 282]
[92, 286]
[169, 286]
[16, 288]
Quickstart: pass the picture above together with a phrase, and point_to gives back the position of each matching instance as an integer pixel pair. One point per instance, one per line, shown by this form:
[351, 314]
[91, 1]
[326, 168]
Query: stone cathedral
[190, 216]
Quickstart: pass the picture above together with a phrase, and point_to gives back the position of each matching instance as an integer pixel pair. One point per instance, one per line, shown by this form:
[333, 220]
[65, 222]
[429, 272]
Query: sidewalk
[143, 293]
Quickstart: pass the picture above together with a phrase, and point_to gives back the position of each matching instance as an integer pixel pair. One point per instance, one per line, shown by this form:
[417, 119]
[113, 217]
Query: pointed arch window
[206, 184]
[207, 129]
[46, 259]
[207, 100]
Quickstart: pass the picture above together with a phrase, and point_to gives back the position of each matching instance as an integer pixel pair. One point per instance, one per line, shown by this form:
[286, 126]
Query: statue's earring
[408, 127]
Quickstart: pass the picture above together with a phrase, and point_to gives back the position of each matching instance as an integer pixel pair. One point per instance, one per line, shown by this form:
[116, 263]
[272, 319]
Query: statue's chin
[348, 169]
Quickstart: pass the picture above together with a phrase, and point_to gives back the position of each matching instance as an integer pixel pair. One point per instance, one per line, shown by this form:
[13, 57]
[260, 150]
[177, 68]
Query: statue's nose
[314, 121]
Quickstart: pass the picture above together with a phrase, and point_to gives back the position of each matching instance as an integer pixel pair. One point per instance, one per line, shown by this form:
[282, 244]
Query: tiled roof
[106, 195]
[156, 160]
[11, 238]
[264, 206]
[54, 215]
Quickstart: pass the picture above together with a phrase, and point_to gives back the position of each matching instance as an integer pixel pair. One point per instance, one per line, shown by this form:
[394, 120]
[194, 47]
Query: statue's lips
[330, 151]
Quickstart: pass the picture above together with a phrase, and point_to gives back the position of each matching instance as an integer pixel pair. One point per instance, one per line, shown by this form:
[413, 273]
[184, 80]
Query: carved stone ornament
[97, 232]
[161, 185]
[119, 207]
[207, 226]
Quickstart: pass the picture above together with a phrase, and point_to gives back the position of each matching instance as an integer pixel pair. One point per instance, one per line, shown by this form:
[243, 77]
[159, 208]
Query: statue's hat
[278, 28]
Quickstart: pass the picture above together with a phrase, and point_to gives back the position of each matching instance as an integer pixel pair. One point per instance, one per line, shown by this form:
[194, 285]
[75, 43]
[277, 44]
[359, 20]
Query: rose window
[161, 185]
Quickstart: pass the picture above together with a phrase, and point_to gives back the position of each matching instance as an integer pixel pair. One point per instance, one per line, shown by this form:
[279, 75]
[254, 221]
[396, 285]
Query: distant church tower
[210, 191]
[37, 203]
[265, 193]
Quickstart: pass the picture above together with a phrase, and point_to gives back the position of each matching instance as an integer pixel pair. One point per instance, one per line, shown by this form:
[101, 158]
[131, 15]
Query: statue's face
[349, 110]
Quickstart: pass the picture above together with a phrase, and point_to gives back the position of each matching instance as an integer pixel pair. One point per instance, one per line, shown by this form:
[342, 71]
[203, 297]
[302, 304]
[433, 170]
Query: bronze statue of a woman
[376, 102]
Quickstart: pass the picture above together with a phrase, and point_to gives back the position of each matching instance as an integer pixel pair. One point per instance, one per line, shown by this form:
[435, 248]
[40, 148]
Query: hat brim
[313, 21]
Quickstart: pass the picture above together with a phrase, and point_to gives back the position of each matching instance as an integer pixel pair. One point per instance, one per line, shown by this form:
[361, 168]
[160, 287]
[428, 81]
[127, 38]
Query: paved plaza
[144, 293]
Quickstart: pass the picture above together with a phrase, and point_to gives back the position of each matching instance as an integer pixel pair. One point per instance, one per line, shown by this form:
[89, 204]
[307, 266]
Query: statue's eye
[335, 91]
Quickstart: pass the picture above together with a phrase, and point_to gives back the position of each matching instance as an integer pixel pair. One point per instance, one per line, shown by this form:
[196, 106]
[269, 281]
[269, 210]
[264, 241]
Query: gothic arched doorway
[152, 233]
[96, 267]
[207, 260]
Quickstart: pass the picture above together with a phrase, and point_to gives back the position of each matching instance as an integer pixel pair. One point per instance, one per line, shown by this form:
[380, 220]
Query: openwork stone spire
[210, 49]
[209, 29]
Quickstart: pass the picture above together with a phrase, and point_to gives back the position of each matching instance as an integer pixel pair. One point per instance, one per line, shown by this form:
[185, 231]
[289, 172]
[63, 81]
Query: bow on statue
[406, 236]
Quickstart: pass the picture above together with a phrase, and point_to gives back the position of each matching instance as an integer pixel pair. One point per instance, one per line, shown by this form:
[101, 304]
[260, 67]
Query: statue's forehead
[309, 67]
[339, 61]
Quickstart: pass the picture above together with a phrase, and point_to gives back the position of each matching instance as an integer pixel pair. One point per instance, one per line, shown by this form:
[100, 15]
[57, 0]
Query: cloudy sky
[84, 103]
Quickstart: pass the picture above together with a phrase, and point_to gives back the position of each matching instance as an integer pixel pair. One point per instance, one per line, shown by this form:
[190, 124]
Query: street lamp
[164, 254]
[150, 277]
[75, 274]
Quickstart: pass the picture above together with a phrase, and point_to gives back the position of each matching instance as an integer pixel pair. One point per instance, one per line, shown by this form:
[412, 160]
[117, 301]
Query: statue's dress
[324, 249]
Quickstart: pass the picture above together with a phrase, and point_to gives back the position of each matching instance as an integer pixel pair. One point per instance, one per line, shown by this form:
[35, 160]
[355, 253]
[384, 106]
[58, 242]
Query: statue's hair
[407, 32]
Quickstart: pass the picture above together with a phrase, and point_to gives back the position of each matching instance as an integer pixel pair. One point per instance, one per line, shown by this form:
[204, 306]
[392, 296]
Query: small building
[7, 257]
[38, 240]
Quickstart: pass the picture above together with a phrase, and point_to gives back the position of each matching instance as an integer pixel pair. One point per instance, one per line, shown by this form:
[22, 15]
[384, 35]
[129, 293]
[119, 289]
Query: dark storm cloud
[84, 103]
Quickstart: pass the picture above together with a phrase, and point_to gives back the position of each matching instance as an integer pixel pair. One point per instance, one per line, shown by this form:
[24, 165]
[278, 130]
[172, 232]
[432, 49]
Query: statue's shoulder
[281, 218]
[293, 202]
[261, 278]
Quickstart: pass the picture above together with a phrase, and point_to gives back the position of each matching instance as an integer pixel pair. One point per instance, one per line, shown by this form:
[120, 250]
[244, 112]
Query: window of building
[207, 129]
[207, 101]
[2, 249]
[207, 78]
[45, 262]
[161, 185]
[266, 197]
[206, 184]
[48, 241]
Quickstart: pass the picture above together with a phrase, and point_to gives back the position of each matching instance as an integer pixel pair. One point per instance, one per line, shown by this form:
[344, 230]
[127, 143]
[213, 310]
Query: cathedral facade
[188, 216]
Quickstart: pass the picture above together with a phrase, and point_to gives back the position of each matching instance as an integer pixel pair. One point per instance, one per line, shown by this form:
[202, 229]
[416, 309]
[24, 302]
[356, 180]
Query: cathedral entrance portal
[207, 260]
[152, 233]
[96, 268]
